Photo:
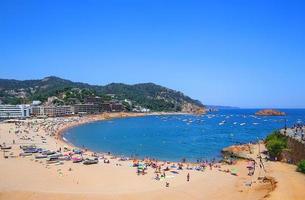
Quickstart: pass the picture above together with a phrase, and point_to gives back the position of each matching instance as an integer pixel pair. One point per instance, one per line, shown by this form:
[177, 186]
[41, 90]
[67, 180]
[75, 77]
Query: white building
[36, 103]
[14, 111]
[140, 109]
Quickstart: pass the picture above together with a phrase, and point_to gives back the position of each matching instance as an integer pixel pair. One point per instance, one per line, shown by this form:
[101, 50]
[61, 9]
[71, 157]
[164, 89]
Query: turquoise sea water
[175, 137]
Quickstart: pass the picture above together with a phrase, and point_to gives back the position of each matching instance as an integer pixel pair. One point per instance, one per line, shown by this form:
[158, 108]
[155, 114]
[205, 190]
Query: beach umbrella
[141, 167]
[250, 165]
[234, 171]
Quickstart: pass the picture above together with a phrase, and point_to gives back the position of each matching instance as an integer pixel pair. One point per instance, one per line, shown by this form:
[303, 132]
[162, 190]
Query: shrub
[301, 166]
[275, 144]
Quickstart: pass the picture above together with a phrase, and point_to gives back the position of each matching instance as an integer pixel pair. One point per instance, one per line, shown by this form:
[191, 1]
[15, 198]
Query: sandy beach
[24, 177]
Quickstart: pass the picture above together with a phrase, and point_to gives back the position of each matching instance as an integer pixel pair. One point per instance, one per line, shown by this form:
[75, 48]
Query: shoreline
[100, 117]
[25, 177]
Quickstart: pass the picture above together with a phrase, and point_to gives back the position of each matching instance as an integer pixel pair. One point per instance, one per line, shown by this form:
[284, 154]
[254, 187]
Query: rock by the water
[270, 112]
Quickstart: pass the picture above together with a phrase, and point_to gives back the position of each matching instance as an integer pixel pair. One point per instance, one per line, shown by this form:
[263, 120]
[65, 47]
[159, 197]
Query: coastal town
[92, 105]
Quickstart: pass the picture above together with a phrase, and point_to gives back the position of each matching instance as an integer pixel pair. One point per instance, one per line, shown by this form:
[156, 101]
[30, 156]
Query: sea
[177, 137]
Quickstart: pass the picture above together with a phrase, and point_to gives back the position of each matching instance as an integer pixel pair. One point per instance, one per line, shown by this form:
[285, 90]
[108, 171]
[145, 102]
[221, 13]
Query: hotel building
[14, 111]
[87, 108]
[57, 111]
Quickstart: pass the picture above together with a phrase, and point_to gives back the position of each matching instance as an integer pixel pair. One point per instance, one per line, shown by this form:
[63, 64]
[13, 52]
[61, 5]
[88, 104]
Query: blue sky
[239, 53]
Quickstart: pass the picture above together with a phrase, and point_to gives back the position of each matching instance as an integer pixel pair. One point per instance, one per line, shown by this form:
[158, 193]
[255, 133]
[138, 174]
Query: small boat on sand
[48, 152]
[90, 161]
[5, 147]
[66, 158]
[76, 159]
[24, 147]
[55, 156]
[52, 161]
[40, 156]
[32, 150]
[25, 154]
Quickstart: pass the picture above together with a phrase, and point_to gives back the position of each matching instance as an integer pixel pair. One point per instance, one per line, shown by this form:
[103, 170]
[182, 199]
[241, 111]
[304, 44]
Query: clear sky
[239, 53]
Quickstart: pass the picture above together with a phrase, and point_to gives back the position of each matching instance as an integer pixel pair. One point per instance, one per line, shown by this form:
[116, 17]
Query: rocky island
[270, 112]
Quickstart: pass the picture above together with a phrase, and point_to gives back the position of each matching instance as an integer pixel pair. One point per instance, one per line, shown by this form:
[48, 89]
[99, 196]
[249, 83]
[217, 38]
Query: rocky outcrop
[270, 112]
[238, 151]
[192, 108]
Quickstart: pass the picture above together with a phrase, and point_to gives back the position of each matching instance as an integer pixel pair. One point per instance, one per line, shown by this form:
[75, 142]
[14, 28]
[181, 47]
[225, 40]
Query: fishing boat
[64, 158]
[76, 159]
[55, 156]
[24, 147]
[222, 123]
[25, 154]
[32, 150]
[40, 156]
[52, 161]
[5, 147]
[48, 152]
[90, 161]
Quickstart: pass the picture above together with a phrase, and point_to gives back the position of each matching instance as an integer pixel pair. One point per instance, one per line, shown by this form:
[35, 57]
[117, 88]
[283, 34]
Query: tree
[301, 166]
[275, 144]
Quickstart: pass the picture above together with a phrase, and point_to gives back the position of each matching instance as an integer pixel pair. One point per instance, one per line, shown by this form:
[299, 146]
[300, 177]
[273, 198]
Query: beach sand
[27, 178]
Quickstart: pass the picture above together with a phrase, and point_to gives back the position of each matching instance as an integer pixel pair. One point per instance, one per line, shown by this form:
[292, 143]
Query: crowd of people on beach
[38, 132]
[163, 169]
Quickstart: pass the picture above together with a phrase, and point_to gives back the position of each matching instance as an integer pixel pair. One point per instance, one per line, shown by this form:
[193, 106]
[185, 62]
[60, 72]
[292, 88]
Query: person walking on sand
[188, 177]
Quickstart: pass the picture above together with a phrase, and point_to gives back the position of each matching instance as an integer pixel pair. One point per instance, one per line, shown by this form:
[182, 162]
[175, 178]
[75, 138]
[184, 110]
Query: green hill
[147, 95]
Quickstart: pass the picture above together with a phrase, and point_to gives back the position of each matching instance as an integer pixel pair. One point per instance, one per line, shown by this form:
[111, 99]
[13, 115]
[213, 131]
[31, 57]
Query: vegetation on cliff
[275, 144]
[147, 95]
